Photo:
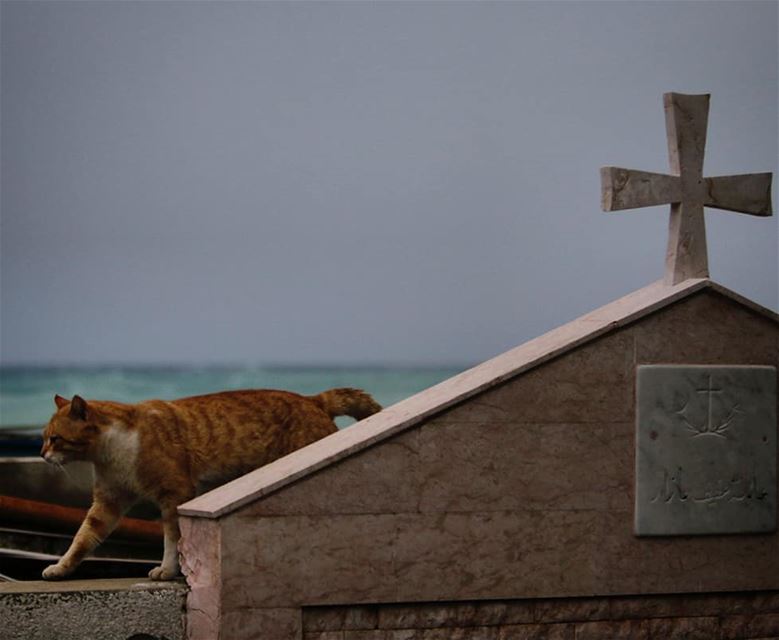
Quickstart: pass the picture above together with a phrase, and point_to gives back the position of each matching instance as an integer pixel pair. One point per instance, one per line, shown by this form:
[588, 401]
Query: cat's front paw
[56, 572]
[163, 573]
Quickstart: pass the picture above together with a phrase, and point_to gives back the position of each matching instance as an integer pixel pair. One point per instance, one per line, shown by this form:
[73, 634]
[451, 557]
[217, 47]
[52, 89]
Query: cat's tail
[347, 402]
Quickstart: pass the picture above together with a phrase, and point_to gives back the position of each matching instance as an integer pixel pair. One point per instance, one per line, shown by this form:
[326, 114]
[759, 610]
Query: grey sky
[355, 182]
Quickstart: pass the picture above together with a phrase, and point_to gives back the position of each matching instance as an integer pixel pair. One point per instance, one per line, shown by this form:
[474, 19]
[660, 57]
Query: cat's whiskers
[62, 468]
[65, 471]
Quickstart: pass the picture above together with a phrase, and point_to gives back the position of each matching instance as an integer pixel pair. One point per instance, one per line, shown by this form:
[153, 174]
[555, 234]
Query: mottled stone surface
[200, 550]
[340, 618]
[487, 554]
[705, 450]
[591, 384]
[92, 610]
[701, 628]
[758, 625]
[706, 329]
[261, 624]
[670, 617]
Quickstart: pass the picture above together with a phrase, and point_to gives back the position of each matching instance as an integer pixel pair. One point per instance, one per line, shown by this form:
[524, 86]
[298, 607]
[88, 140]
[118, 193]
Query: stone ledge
[108, 584]
[93, 609]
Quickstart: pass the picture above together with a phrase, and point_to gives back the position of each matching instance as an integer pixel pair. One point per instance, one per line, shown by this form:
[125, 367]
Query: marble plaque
[705, 450]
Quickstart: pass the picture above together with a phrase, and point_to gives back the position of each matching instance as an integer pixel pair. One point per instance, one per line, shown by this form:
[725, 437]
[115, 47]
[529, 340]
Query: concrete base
[93, 609]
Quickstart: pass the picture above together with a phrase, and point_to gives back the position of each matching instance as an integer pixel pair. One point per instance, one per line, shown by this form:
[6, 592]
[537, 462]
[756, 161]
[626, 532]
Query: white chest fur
[118, 458]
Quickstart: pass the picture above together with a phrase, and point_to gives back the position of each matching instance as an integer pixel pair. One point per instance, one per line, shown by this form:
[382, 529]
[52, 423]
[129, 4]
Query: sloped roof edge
[407, 413]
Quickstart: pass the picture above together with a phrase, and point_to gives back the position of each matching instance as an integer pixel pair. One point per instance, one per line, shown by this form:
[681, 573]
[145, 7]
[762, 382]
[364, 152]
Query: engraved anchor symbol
[709, 428]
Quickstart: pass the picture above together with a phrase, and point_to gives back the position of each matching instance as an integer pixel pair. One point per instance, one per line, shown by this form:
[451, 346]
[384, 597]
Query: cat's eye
[53, 439]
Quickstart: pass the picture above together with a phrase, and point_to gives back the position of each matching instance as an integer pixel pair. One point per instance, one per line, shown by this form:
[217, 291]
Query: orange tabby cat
[161, 450]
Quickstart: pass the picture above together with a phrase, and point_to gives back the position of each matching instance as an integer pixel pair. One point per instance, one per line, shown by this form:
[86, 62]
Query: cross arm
[629, 189]
[749, 193]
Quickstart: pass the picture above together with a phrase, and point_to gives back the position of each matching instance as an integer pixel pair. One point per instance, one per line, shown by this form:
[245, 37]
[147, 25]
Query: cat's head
[72, 432]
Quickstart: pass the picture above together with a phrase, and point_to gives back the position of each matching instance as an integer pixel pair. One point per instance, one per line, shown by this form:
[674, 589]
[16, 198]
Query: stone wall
[522, 491]
[693, 617]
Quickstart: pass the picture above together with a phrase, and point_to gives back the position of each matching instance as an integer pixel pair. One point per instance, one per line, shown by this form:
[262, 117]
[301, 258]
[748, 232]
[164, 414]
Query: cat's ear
[60, 401]
[78, 408]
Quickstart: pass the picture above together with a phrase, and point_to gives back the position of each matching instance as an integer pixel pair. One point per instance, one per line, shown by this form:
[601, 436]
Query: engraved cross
[685, 189]
[710, 391]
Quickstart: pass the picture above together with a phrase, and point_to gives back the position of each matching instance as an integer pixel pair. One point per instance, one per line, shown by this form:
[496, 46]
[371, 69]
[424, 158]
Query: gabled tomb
[530, 495]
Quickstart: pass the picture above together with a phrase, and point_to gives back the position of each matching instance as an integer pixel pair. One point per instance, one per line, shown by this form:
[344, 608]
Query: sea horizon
[27, 390]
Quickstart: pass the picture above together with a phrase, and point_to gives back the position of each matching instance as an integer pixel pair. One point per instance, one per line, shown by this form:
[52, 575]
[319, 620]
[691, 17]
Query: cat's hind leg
[170, 557]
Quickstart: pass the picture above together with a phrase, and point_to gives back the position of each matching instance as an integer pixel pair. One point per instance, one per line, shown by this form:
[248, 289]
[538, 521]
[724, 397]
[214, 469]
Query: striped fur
[161, 451]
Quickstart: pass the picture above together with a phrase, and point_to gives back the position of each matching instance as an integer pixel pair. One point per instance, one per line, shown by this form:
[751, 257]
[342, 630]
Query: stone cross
[685, 189]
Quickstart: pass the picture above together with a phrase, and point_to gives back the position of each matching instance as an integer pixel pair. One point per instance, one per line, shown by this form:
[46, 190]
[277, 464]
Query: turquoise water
[27, 394]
